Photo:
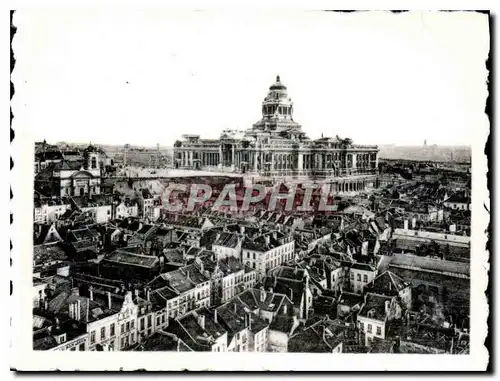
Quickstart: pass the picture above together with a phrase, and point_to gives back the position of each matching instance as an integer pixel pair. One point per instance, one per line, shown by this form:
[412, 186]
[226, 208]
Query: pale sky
[142, 77]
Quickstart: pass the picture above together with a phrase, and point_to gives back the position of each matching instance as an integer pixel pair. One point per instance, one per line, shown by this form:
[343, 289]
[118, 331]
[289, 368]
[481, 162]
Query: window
[112, 329]
[369, 328]
[142, 324]
[365, 278]
[81, 347]
[361, 325]
[127, 327]
[352, 275]
[103, 333]
[149, 321]
[379, 330]
[92, 337]
[158, 320]
[122, 329]
[132, 324]
[359, 277]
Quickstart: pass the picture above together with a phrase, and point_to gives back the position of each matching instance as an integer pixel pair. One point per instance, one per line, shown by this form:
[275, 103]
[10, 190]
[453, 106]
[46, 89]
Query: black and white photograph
[260, 190]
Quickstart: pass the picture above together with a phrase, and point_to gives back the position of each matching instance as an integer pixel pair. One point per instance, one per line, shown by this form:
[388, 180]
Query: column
[233, 156]
[220, 155]
[300, 162]
[254, 158]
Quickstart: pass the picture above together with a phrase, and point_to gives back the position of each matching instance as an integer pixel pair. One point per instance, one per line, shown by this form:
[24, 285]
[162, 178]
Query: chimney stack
[215, 316]
[148, 291]
[109, 299]
[249, 316]
[77, 310]
[291, 295]
[72, 310]
[387, 307]
[91, 292]
[201, 321]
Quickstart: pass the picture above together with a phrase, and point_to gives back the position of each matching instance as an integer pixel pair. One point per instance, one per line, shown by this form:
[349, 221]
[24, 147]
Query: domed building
[277, 147]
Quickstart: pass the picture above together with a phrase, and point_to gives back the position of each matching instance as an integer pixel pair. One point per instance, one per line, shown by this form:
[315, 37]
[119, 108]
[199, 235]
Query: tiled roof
[128, 258]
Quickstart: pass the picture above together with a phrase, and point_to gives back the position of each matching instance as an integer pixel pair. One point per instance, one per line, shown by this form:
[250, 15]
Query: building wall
[359, 279]
[264, 261]
[239, 342]
[49, 213]
[101, 214]
[278, 341]
[222, 252]
[111, 330]
[79, 343]
[371, 328]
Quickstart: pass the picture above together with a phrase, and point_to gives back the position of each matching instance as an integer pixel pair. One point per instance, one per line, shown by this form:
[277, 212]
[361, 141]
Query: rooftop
[430, 264]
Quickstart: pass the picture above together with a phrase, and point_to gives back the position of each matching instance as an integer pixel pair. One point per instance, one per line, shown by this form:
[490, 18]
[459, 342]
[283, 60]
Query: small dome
[277, 85]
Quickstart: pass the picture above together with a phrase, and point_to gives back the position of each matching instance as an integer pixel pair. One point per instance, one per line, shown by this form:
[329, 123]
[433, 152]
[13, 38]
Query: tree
[177, 144]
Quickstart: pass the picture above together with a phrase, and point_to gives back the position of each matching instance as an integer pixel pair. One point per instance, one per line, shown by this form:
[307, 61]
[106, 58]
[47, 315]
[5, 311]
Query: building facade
[276, 146]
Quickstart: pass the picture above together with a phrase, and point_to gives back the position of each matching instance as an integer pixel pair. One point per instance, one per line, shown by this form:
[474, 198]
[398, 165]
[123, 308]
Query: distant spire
[278, 78]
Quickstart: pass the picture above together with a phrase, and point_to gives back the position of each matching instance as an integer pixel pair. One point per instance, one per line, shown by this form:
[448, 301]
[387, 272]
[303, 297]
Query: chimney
[215, 316]
[75, 291]
[406, 224]
[77, 310]
[387, 307]
[87, 312]
[262, 294]
[71, 310]
[242, 230]
[136, 293]
[109, 299]
[266, 238]
[291, 295]
[235, 308]
[201, 321]
[91, 292]
[148, 292]
[249, 321]
[285, 309]
[45, 304]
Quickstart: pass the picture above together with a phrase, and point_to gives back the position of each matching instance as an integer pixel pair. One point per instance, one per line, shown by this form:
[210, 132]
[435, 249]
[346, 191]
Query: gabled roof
[388, 283]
